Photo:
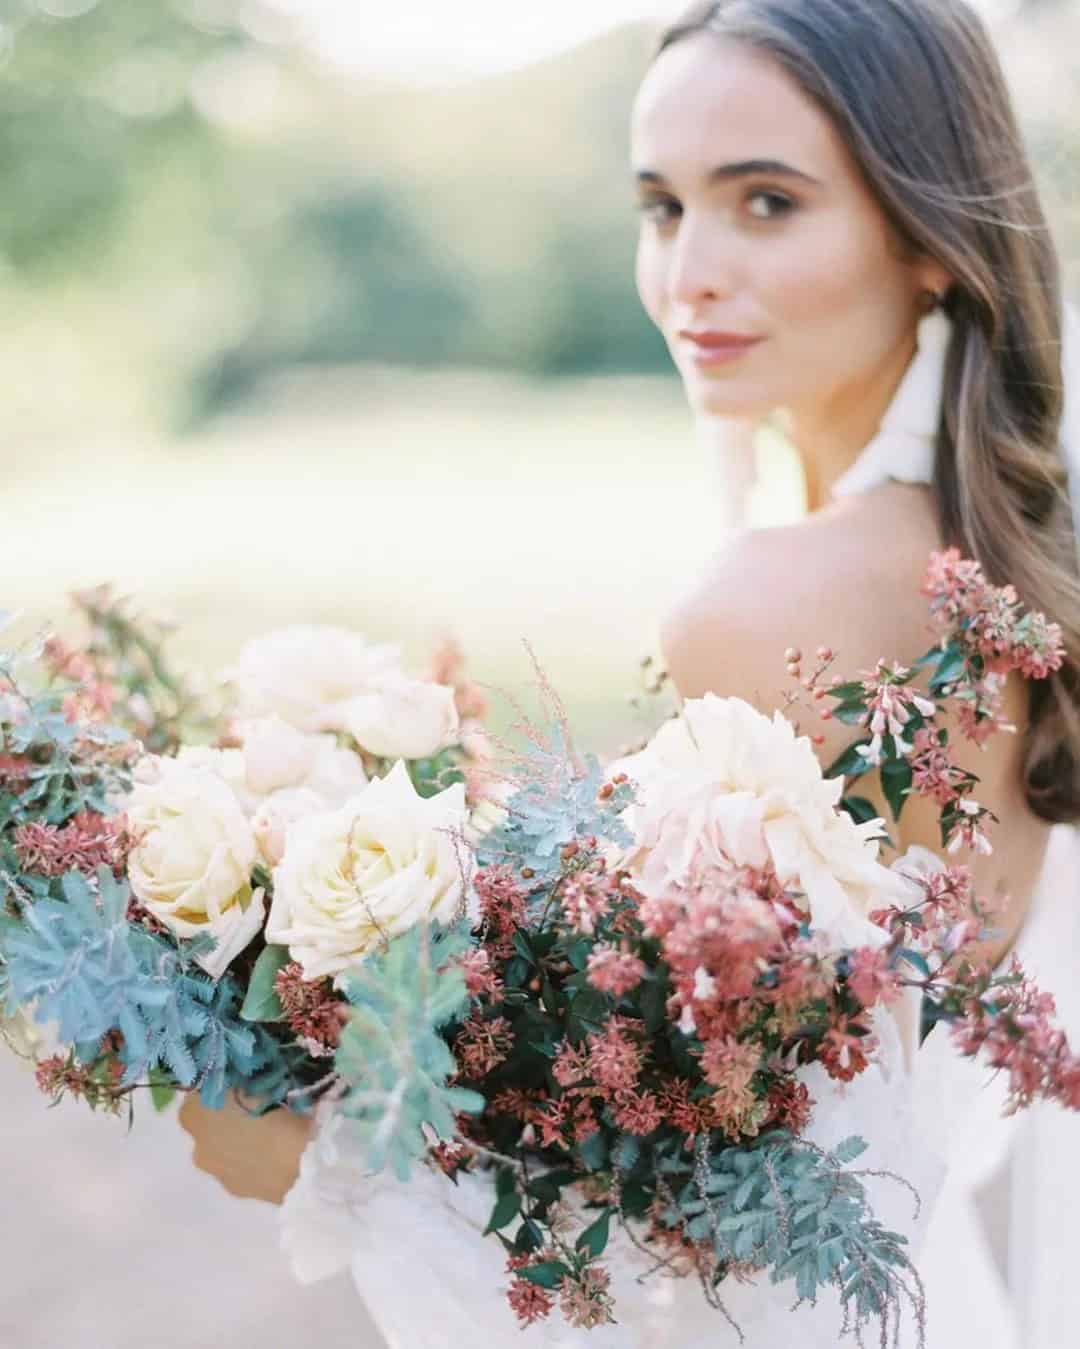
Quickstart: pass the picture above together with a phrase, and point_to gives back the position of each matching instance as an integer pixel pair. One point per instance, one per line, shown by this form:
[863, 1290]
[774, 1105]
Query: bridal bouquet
[599, 992]
[144, 876]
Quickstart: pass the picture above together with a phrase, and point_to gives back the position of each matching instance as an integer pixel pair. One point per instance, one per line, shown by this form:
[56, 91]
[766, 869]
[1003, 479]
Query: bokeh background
[323, 310]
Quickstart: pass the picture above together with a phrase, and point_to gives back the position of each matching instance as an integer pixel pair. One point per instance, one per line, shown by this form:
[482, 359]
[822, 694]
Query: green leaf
[950, 667]
[849, 1148]
[507, 1207]
[895, 783]
[161, 1095]
[594, 1239]
[846, 692]
[916, 960]
[262, 1002]
[550, 1274]
[593, 1151]
[522, 947]
[850, 764]
[859, 808]
[850, 713]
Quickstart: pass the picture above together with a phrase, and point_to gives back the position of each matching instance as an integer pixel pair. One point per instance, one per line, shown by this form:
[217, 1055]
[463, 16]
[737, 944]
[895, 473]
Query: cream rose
[722, 779]
[306, 674]
[352, 878]
[277, 756]
[192, 865]
[403, 719]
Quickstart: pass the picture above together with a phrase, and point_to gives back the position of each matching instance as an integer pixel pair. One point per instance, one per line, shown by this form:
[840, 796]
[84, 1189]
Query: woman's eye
[767, 205]
[659, 210]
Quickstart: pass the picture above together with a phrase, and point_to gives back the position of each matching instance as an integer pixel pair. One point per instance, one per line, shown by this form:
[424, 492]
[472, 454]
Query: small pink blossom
[312, 1009]
[613, 971]
[870, 978]
[480, 1046]
[529, 1302]
[614, 1059]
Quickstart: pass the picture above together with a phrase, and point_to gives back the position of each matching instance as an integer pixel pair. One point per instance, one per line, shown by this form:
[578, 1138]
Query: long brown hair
[916, 90]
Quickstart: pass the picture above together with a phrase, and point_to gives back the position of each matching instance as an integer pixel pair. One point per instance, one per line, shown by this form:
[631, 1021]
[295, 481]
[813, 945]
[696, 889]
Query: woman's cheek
[648, 274]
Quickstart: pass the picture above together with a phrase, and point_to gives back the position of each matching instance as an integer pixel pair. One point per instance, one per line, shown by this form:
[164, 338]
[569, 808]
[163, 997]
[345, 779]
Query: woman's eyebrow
[742, 168]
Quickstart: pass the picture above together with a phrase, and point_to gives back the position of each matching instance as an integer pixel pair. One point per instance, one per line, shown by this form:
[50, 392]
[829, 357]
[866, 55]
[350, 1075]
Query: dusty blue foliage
[558, 804]
[393, 1059]
[85, 967]
[798, 1212]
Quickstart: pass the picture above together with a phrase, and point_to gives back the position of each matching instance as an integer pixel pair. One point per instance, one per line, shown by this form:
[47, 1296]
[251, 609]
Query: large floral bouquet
[601, 995]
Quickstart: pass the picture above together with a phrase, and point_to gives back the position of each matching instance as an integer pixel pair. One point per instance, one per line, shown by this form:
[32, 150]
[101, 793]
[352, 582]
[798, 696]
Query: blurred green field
[500, 509]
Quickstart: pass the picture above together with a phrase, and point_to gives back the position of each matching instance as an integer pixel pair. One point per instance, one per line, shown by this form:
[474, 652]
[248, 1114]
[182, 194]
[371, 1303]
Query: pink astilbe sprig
[587, 896]
[95, 693]
[312, 1009]
[991, 620]
[1008, 1021]
[529, 1302]
[615, 1060]
[97, 1084]
[584, 1299]
[847, 1048]
[502, 904]
[715, 936]
[86, 842]
[481, 1045]
[614, 971]
[872, 977]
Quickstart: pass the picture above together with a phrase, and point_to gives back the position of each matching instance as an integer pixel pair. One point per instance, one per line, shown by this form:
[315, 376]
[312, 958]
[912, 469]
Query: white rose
[227, 764]
[191, 867]
[724, 779]
[403, 719]
[305, 674]
[354, 877]
[278, 756]
[271, 821]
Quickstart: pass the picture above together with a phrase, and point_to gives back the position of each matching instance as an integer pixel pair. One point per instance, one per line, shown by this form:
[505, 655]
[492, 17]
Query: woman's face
[756, 222]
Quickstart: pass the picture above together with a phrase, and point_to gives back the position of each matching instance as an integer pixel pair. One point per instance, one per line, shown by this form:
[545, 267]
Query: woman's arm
[252, 1156]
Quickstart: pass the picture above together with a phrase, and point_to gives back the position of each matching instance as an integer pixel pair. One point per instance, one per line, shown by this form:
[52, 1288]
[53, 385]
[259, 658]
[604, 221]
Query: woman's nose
[700, 267]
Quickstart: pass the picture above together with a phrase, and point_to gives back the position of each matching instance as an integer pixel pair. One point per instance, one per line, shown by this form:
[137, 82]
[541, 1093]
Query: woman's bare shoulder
[848, 577]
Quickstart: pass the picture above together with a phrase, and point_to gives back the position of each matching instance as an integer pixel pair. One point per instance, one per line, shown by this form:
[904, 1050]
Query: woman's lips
[708, 350]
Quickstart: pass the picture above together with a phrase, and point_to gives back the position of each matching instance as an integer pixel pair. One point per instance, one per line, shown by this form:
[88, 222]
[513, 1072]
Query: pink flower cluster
[480, 1046]
[992, 618]
[502, 908]
[1012, 1027]
[86, 842]
[312, 1009]
[584, 1297]
[95, 695]
[890, 704]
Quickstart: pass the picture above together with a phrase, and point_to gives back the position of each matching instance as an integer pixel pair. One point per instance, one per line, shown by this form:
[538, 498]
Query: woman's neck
[830, 438]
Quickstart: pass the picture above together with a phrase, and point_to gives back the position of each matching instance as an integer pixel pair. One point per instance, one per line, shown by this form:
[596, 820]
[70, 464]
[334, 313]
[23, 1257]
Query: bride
[838, 226]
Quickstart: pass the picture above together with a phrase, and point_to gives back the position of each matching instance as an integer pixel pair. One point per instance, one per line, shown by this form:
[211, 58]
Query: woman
[839, 220]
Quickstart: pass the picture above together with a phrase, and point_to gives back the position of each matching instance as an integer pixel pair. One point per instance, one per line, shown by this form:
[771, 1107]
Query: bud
[570, 851]
[606, 792]
[792, 655]
[527, 873]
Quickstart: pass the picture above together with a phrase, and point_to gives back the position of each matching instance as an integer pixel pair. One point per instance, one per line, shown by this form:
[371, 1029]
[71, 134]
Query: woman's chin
[711, 398]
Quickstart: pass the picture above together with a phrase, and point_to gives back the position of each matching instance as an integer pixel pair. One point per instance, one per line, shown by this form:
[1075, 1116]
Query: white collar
[904, 446]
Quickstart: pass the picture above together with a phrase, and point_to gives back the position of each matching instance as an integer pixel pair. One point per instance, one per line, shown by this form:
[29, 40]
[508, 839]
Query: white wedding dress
[429, 1279]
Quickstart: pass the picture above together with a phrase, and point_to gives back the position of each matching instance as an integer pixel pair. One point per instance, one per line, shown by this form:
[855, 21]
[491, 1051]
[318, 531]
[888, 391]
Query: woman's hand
[253, 1156]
